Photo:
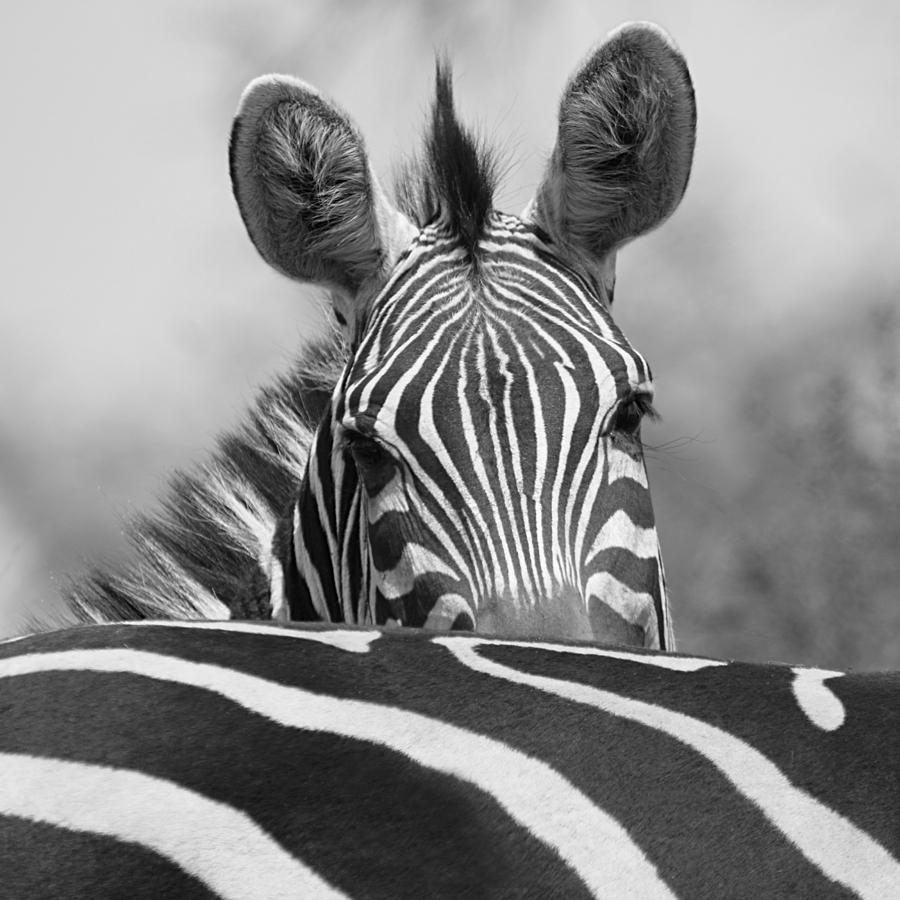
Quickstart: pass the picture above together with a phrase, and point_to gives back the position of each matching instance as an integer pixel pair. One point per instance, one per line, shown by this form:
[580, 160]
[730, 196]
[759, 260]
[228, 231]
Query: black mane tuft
[456, 176]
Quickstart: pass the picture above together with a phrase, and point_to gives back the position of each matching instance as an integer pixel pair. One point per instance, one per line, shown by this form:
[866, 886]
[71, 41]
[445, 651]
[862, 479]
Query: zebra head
[481, 462]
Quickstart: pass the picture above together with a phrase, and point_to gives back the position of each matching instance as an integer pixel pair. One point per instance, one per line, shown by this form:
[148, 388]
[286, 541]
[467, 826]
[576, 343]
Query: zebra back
[246, 760]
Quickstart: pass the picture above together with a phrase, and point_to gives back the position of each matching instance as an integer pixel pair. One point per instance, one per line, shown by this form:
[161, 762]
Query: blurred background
[136, 320]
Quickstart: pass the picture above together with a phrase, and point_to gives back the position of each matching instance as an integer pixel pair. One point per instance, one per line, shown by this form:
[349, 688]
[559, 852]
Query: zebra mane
[456, 174]
[207, 550]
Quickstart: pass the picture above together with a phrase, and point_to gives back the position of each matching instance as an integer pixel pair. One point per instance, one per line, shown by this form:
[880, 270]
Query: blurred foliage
[808, 569]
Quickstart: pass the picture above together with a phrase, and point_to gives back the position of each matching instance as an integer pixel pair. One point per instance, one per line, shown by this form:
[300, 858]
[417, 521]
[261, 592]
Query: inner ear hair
[303, 185]
[625, 143]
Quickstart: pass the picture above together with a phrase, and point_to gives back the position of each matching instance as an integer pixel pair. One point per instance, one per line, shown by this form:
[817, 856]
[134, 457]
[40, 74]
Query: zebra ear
[624, 147]
[310, 202]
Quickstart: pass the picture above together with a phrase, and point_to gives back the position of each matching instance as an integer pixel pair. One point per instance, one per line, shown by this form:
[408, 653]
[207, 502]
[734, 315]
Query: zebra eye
[631, 413]
[367, 453]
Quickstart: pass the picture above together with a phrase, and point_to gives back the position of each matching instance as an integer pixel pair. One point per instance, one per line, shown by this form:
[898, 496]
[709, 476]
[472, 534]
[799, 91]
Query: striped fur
[501, 494]
[248, 761]
[479, 462]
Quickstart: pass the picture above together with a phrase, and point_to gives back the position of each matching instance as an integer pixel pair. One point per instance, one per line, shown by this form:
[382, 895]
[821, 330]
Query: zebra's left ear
[624, 148]
[310, 202]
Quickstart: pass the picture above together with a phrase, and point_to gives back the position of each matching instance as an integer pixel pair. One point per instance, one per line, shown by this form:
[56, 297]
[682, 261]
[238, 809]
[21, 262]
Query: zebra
[251, 760]
[464, 451]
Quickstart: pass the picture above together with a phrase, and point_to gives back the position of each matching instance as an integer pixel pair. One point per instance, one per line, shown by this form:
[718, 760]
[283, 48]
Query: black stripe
[376, 824]
[42, 862]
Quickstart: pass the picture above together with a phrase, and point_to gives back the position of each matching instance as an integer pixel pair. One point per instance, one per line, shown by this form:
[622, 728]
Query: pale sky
[136, 319]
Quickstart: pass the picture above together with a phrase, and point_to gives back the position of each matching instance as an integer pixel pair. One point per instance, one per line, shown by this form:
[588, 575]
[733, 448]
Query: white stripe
[666, 631]
[390, 499]
[475, 465]
[657, 660]
[619, 531]
[816, 699]
[496, 486]
[281, 612]
[635, 607]
[415, 560]
[842, 851]
[446, 610]
[12, 640]
[536, 796]
[350, 640]
[354, 548]
[563, 566]
[220, 846]
[589, 507]
[519, 580]
[590, 469]
[621, 465]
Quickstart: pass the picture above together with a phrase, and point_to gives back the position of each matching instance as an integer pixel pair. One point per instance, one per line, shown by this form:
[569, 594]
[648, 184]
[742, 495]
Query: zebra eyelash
[645, 407]
[630, 412]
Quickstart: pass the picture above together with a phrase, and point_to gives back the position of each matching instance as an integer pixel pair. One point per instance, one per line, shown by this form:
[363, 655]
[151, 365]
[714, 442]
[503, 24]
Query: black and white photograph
[449, 450]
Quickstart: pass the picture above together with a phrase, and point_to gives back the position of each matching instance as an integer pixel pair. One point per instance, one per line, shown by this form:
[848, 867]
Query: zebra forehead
[524, 303]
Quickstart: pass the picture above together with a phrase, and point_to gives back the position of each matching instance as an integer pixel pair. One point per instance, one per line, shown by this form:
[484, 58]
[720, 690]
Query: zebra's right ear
[623, 152]
[310, 202]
